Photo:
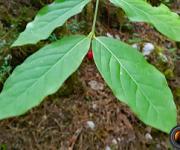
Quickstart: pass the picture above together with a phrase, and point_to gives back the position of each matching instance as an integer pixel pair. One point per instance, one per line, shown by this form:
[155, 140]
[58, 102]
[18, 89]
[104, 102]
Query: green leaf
[48, 18]
[41, 75]
[165, 21]
[135, 82]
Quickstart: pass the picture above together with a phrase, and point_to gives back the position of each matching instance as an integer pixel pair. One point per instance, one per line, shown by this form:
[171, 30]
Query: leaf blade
[135, 82]
[47, 19]
[42, 74]
[165, 21]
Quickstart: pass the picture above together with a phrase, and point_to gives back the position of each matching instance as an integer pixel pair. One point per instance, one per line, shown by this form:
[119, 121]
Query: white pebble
[96, 85]
[114, 141]
[148, 48]
[135, 46]
[12, 25]
[90, 124]
[94, 106]
[109, 35]
[119, 139]
[117, 37]
[107, 148]
[148, 137]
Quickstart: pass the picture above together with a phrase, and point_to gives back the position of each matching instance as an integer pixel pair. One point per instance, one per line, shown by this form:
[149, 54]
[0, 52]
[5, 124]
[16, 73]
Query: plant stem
[95, 17]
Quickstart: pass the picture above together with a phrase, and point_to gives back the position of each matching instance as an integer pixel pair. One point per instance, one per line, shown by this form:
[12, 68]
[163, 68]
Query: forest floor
[83, 114]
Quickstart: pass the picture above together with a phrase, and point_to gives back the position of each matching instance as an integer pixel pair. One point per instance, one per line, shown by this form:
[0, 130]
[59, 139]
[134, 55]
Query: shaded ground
[54, 124]
[61, 121]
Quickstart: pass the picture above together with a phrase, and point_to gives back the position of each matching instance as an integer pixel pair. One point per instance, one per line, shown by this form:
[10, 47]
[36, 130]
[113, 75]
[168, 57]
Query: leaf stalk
[95, 18]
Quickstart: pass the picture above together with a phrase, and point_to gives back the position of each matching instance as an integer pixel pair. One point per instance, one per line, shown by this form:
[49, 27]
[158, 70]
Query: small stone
[96, 85]
[109, 35]
[94, 106]
[90, 114]
[44, 117]
[148, 48]
[117, 37]
[12, 26]
[158, 146]
[148, 137]
[114, 141]
[135, 45]
[119, 139]
[30, 122]
[107, 148]
[90, 124]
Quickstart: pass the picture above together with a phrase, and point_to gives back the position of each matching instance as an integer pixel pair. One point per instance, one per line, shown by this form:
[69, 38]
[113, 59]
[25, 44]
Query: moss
[169, 73]
[70, 85]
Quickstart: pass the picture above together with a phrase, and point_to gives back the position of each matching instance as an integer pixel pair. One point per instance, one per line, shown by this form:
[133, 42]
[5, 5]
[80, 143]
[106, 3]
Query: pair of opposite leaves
[130, 77]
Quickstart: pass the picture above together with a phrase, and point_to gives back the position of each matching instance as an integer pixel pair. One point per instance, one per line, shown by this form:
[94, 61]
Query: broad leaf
[135, 82]
[48, 18]
[165, 21]
[42, 74]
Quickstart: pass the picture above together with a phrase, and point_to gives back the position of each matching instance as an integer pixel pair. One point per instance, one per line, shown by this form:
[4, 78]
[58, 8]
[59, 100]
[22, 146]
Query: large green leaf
[135, 82]
[48, 18]
[161, 17]
[42, 74]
